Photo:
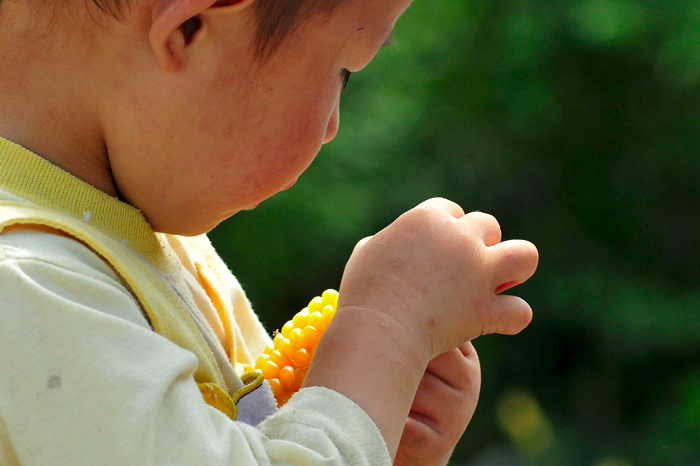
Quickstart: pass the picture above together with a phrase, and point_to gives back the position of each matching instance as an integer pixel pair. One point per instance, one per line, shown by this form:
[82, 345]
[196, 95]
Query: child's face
[222, 134]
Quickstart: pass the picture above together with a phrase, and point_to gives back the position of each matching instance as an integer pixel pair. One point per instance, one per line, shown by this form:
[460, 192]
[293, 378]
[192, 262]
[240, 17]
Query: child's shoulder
[33, 244]
[40, 265]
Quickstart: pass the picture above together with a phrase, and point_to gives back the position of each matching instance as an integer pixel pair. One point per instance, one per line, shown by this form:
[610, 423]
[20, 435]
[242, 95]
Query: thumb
[509, 315]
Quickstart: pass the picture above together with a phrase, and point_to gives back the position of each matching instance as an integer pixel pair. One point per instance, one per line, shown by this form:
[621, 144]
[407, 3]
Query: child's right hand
[436, 271]
[417, 289]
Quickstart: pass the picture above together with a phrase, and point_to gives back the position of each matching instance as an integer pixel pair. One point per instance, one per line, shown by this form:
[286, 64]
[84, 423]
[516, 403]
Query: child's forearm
[375, 364]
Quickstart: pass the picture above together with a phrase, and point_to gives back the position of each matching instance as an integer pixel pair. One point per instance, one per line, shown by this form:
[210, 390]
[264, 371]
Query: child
[130, 128]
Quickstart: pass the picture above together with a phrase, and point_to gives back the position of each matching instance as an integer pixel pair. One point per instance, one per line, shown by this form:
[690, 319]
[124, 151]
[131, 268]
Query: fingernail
[505, 286]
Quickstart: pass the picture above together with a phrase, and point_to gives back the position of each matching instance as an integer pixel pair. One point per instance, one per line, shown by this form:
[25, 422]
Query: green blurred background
[577, 124]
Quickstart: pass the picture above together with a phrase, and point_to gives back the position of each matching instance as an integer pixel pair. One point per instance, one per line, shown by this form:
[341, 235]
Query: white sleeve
[85, 381]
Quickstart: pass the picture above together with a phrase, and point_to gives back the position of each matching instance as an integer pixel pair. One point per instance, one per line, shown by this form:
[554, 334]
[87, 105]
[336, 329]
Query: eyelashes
[345, 77]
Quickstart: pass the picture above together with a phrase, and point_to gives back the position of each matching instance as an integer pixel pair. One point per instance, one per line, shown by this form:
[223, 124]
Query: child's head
[189, 110]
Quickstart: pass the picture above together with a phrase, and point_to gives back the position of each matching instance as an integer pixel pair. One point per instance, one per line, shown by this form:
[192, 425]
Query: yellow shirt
[85, 379]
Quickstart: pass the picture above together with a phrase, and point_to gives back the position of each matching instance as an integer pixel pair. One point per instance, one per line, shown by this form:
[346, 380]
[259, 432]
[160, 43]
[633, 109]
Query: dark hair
[276, 19]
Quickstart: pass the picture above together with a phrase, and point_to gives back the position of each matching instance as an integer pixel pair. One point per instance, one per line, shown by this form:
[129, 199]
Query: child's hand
[435, 271]
[443, 406]
[417, 289]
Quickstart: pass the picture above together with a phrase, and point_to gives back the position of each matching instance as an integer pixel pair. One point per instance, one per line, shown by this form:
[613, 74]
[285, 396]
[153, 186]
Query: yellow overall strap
[166, 313]
[219, 399]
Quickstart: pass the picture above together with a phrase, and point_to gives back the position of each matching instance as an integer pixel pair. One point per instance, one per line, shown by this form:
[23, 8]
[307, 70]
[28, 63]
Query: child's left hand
[443, 406]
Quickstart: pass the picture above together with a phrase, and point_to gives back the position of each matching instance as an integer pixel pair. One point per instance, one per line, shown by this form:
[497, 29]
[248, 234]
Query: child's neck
[46, 94]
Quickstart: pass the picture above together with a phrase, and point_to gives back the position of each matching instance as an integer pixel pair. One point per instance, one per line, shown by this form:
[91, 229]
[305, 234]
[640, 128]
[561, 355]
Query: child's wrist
[385, 329]
[367, 356]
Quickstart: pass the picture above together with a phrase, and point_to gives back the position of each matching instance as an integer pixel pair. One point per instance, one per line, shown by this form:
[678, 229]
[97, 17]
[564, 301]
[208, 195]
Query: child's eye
[345, 77]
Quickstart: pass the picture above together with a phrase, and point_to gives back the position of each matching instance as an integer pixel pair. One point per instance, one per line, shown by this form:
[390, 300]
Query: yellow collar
[35, 179]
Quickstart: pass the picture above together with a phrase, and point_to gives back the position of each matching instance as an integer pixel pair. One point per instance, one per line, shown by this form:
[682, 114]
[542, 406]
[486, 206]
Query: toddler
[128, 129]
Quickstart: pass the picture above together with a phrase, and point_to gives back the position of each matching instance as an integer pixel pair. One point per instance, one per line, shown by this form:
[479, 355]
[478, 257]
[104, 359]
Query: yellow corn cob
[285, 363]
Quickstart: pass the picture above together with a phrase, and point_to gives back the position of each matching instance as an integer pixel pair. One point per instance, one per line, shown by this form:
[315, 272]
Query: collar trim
[37, 180]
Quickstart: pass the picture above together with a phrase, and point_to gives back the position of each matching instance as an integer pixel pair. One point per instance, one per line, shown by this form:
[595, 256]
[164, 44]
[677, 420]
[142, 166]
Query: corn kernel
[287, 348]
[302, 358]
[260, 360]
[317, 321]
[276, 387]
[315, 304]
[300, 374]
[296, 338]
[311, 336]
[283, 399]
[286, 328]
[301, 318]
[330, 298]
[280, 359]
[270, 370]
[287, 380]
[328, 313]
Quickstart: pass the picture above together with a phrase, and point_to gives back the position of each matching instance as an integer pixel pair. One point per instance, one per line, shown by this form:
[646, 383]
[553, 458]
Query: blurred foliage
[576, 123]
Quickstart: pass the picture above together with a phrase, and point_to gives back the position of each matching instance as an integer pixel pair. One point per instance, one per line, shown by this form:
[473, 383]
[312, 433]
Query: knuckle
[484, 218]
[509, 254]
[520, 254]
[533, 253]
[520, 315]
[443, 205]
[526, 315]
[416, 436]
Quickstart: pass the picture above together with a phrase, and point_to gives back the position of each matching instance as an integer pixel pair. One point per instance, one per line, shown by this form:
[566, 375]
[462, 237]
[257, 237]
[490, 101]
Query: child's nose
[333, 124]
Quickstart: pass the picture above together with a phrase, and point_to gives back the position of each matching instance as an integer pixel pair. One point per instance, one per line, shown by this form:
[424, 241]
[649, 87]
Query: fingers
[509, 315]
[443, 204]
[421, 444]
[422, 430]
[514, 262]
[485, 225]
[458, 368]
[468, 351]
[441, 407]
[448, 392]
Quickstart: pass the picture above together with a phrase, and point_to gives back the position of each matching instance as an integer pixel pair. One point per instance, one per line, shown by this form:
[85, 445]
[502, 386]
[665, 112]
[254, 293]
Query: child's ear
[177, 23]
